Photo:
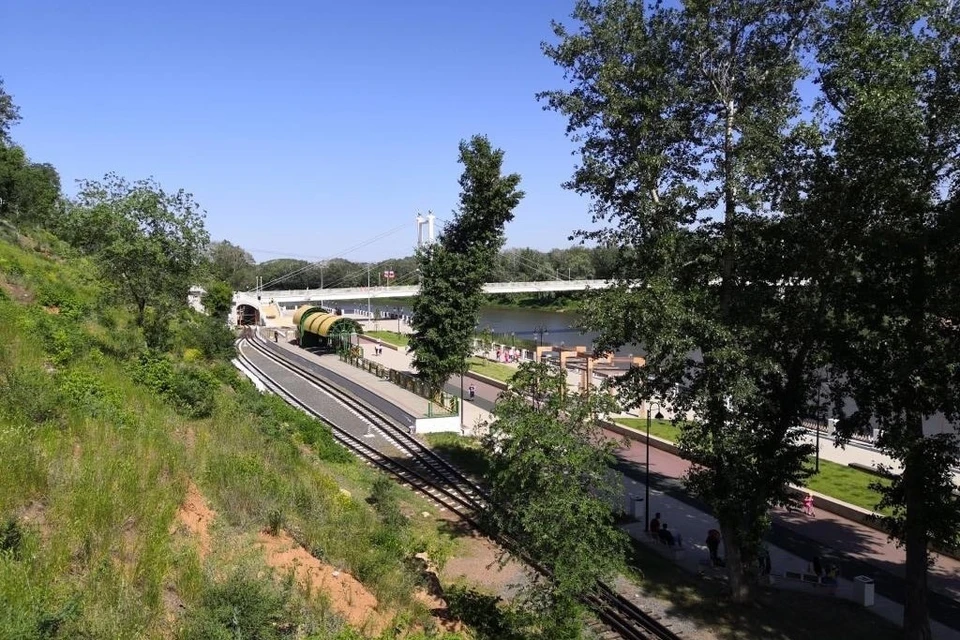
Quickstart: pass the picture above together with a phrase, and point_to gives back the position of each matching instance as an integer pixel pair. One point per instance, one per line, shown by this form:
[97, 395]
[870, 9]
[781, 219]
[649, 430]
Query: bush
[209, 336]
[241, 607]
[191, 389]
[194, 391]
[11, 538]
[63, 297]
[383, 497]
[29, 394]
[62, 338]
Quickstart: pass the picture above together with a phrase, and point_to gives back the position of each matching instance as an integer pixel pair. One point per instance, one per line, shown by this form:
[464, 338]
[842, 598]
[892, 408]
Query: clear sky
[303, 128]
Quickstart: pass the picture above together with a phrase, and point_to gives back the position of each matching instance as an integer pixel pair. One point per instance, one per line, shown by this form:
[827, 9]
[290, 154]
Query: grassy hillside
[157, 494]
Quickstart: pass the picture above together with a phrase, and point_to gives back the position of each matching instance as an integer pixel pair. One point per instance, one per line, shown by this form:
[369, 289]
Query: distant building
[195, 298]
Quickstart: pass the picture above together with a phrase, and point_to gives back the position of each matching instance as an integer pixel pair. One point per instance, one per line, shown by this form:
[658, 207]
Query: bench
[675, 550]
[831, 583]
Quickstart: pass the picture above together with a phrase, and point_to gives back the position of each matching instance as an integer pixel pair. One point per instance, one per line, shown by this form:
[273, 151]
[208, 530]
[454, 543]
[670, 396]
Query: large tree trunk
[916, 616]
[739, 585]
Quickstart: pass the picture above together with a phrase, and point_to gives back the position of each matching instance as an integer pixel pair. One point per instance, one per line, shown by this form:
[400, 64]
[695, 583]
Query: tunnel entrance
[247, 315]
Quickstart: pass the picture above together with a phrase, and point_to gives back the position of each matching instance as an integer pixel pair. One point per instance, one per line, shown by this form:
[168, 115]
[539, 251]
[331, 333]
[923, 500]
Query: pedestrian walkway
[827, 533]
[692, 525]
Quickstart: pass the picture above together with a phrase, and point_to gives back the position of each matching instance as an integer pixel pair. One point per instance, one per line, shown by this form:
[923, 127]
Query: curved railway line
[385, 443]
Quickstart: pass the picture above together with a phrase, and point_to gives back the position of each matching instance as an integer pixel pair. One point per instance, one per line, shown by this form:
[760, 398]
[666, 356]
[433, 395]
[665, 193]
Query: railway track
[383, 442]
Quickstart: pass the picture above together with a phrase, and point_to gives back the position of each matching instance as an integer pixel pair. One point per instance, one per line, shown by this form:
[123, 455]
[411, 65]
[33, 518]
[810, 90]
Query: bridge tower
[425, 224]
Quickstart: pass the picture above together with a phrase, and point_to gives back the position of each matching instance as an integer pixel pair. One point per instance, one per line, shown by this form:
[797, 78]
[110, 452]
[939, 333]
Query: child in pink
[808, 505]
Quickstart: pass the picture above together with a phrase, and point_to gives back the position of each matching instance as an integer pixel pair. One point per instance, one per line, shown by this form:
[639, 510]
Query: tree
[890, 208]
[684, 117]
[453, 271]
[149, 244]
[232, 264]
[218, 299]
[551, 486]
[9, 115]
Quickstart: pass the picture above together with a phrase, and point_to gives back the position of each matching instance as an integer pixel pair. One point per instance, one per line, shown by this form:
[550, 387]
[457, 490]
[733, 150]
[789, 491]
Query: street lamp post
[646, 500]
[819, 415]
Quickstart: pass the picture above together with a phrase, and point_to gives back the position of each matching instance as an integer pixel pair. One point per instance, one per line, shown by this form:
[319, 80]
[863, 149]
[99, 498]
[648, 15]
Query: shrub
[11, 538]
[209, 336]
[57, 294]
[241, 607]
[383, 497]
[191, 389]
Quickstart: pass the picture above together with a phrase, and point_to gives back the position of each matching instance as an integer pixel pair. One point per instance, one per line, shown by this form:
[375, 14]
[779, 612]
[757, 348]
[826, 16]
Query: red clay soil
[195, 515]
[348, 597]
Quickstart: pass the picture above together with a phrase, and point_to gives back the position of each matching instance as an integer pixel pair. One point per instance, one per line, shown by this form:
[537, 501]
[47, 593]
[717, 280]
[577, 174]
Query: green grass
[846, 483]
[394, 338]
[776, 614]
[96, 465]
[659, 428]
[495, 370]
[835, 480]
[462, 451]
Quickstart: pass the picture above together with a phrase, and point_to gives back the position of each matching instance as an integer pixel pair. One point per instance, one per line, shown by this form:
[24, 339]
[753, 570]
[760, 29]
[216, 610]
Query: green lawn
[660, 428]
[846, 483]
[463, 451]
[494, 370]
[835, 480]
[394, 338]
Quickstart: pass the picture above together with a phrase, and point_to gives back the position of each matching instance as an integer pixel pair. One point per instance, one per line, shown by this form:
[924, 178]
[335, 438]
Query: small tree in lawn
[454, 270]
[685, 118]
[552, 487]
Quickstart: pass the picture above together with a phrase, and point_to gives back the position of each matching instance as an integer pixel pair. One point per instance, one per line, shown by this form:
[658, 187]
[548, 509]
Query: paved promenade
[794, 540]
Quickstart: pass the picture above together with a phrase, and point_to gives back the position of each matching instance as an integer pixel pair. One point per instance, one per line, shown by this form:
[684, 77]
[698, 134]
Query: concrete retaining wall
[435, 425]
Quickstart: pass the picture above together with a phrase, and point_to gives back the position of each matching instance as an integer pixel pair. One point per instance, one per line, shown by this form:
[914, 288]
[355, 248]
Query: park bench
[829, 583]
[674, 551]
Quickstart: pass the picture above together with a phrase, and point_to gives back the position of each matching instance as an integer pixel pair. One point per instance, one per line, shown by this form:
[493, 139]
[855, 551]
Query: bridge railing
[490, 287]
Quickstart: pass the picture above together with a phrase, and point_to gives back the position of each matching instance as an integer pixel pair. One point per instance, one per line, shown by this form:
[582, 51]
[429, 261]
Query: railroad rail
[383, 442]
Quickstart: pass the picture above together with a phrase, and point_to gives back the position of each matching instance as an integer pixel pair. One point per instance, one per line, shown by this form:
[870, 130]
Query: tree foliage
[149, 243]
[453, 271]
[684, 117]
[551, 484]
[29, 191]
[9, 115]
[218, 300]
[232, 264]
[889, 206]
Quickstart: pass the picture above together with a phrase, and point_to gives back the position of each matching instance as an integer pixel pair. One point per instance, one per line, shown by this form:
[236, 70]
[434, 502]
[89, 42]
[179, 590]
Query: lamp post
[541, 331]
[646, 500]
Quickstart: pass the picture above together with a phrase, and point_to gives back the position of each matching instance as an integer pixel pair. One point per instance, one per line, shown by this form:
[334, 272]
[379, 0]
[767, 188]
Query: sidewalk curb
[493, 382]
[826, 503]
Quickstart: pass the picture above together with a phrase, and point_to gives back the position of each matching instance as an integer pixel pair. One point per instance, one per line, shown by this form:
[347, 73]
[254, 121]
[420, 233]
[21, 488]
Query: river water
[558, 328]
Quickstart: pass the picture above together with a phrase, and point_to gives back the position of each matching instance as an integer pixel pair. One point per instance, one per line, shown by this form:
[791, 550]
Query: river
[559, 328]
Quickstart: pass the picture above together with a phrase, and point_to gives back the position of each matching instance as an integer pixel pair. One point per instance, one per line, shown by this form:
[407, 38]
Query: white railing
[350, 293]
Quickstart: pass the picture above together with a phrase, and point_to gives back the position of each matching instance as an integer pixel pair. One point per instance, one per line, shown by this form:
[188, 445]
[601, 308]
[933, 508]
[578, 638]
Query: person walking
[713, 546]
[472, 390]
[655, 524]
[808, 505]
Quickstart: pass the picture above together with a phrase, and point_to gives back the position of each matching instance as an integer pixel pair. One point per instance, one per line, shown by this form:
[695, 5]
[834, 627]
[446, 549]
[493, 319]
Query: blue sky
[303, 128]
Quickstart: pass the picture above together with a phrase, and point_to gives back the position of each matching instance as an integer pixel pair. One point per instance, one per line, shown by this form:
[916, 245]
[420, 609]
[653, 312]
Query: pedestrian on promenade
[713, 546]
[666, 536]
[472, 390]
[808, 505]
[655, 524]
